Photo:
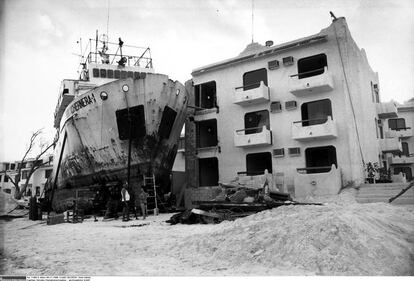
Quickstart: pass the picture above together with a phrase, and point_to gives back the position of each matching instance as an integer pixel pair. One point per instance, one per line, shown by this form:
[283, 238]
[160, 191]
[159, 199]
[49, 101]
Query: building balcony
[317, 184]
[263, 137]
[389, 145]
[326, 130]
[403, 132]
[253, 96]
[314, 84]
[403, 159]
[386, 110]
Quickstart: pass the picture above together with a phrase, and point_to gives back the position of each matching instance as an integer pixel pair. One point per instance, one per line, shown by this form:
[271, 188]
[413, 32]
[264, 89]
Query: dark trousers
[112, 209]
[144, 210]
[125, 211]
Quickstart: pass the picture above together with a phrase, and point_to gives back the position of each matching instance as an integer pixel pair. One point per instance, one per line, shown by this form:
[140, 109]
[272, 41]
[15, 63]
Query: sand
[340, 238]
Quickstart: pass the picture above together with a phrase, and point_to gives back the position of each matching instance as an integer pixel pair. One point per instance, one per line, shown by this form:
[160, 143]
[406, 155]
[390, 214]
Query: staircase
[382, 192]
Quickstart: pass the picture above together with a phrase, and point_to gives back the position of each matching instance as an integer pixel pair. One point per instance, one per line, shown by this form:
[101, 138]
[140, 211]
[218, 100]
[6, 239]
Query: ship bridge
[104, 65]
[111, 62]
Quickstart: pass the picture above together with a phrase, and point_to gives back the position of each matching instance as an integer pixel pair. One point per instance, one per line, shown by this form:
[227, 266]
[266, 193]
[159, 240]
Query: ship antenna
[252, 18]
[107, 25]
[96, 47]
[80, 45]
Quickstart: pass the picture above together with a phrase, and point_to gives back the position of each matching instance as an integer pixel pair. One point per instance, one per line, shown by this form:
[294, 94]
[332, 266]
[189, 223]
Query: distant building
[402, 127]
[37, 181]
[308, 111]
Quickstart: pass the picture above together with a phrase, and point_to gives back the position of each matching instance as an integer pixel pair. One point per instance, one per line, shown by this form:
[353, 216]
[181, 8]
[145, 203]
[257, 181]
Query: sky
[38, 44]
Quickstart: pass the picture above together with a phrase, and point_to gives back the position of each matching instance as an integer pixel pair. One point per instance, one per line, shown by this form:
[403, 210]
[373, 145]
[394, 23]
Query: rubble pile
[339, 238]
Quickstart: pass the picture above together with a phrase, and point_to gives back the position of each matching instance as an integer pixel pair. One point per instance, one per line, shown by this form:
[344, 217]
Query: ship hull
[128, 121]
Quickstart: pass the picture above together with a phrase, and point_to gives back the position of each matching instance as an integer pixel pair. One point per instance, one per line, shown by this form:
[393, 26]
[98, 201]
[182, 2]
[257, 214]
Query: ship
[117, 123]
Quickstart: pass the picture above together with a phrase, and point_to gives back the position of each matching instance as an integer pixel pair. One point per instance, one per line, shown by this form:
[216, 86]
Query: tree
[37, 162]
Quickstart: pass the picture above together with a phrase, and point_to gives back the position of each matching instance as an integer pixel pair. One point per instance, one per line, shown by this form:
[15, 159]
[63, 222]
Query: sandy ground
[340, 238]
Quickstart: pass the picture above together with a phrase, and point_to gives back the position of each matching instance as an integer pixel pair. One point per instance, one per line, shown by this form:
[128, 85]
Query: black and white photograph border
[199, 138]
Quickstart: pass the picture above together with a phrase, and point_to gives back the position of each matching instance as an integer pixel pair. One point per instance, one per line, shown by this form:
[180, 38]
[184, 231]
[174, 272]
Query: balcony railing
[262, 136]
[317, 184]
[314, 170]
[403, 159]
[386, 110]
[324, 129]
[250, 173]
[389, 145]
[403, 132]
[244, 95]
[313, 84]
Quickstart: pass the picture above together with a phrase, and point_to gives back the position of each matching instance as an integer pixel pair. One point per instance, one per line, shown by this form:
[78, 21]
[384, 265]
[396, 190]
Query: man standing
[125, 202]
[143, 202]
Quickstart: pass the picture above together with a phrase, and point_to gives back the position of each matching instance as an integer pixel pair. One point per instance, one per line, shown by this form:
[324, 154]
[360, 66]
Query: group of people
[131, 199]
[140, 200]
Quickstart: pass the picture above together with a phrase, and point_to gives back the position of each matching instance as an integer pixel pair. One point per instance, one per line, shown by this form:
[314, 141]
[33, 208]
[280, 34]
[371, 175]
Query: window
[7, 190]
[320, 159]
[253, 78]
[1, 178]
[381, 131]
[95, 72]
[12, 166]
[205, 95]
[376, 127]
[396, 124]
[6, 178]
[257, 163]
[110, 73]
[117, 74]
[103, 73]
[206, 133]
[24, 175]
[167, 122]
[7, 166]
[376, 91]
[123, 74]
[312, 66]
[48, 172]
[316, 112]
[372, 92]
[405, 170]
[136, 122]
[37, 191]
[130, 74]
[405, 150]
[181, 143]
[254, 121]
[208, 171]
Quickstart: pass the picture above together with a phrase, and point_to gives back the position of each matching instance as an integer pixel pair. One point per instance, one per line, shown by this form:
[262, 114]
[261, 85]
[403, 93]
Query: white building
[37, 181]
[402, 127]
[308, 111]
